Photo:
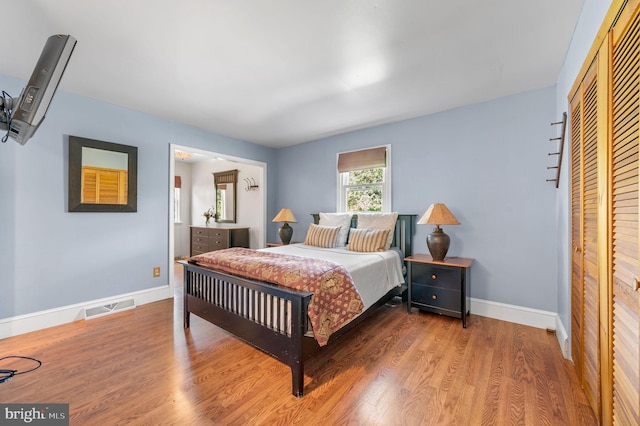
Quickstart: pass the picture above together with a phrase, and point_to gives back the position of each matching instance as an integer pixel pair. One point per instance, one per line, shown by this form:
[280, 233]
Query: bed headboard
[402, 234]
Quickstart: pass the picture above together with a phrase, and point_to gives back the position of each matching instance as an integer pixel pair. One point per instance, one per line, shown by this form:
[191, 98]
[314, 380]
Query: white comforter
[373, 274]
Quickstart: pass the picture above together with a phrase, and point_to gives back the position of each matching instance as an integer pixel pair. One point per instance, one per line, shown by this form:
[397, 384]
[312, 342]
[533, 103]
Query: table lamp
[286, 232]
[438, 242]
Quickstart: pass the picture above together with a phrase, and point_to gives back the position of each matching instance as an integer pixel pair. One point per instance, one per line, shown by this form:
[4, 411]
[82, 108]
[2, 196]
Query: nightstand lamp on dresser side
[438, 242]
[440, 287]
[286, 232]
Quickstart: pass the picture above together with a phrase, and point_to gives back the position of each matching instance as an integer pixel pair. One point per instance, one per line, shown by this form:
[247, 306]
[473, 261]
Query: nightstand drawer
[436, 297]
[436, 276]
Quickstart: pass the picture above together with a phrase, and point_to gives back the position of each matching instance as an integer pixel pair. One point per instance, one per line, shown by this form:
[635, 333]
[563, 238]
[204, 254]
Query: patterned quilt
[335, 300]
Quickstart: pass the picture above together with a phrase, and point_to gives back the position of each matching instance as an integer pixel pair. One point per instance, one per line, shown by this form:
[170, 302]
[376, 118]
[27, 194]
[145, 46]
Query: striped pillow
[367, 240]
[322, 236]
[338, 219]
[379, 221]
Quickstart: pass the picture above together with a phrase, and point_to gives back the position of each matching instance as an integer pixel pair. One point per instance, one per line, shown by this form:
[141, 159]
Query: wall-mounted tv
[21, 117]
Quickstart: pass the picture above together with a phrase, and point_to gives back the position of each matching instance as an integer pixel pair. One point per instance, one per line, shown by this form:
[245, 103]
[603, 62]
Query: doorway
[195, 167]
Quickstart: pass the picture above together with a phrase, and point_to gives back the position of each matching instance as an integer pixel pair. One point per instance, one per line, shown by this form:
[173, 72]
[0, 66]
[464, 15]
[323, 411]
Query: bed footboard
[270, 318]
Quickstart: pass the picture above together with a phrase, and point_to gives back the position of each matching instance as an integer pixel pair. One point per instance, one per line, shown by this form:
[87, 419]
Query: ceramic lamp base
[286, 232]
[438, 244]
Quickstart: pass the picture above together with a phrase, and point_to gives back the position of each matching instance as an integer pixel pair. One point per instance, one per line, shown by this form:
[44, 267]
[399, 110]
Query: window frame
[342, 182]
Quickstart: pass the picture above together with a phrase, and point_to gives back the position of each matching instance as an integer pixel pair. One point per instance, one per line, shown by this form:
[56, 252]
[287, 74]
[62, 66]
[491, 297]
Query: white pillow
[343, 220]
[379, 221]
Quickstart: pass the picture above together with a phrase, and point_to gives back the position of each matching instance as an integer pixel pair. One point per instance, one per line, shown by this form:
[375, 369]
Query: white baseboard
[563, 338]
[21, 324]
[522, 315]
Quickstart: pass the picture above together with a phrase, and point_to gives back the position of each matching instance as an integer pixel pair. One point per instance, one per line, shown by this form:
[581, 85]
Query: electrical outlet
[156, 272]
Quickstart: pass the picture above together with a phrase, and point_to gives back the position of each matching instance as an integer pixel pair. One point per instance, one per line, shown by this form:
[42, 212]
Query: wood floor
[140, 367]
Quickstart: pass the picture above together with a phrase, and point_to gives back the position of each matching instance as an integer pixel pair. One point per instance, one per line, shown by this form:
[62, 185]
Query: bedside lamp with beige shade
[438, 242]
[286, 232]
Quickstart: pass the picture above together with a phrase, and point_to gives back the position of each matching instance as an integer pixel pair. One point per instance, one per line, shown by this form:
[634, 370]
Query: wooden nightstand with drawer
[439, 287]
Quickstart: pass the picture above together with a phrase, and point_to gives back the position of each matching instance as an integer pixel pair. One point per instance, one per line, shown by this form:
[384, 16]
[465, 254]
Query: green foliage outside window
[364, 190]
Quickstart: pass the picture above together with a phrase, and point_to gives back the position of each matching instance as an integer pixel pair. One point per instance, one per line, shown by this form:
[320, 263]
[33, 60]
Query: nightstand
[439, 287]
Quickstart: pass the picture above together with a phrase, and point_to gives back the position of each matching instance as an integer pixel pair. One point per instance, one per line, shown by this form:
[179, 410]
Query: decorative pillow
[322, 236]
[379, 221]
[367, 240]
[343, 220]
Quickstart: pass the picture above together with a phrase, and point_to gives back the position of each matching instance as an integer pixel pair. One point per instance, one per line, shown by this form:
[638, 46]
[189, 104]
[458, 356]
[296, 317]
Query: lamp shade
[438, 214]
[285, 215]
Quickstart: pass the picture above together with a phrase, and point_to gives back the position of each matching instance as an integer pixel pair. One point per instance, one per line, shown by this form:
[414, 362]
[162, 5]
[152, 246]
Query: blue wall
[51, 258]
[486, 162]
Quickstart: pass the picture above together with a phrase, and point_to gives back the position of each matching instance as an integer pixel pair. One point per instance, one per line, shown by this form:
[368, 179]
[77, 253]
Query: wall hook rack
[251, 184]
[560, 148]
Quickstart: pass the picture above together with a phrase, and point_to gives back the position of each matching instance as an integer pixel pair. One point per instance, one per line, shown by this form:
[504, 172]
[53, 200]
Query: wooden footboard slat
[271, 318]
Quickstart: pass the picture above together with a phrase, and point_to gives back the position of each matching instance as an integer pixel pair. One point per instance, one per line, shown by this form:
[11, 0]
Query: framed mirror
[103, 176]
[226, 184]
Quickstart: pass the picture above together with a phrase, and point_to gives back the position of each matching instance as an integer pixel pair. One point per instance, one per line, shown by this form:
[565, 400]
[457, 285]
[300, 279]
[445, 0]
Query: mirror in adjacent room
[102, 176]
[226, 186]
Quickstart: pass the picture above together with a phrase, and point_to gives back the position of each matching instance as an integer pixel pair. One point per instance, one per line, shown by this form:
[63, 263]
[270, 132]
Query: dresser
[439, 287]
[204, 239]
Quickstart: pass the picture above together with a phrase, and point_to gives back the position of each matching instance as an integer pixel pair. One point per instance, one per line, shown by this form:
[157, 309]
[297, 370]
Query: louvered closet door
[591, 297]
[625, 235]
[585, 281]
[576, 234]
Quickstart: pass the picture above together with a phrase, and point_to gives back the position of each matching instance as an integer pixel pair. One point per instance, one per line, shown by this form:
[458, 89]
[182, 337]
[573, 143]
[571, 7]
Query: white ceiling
[282, 72]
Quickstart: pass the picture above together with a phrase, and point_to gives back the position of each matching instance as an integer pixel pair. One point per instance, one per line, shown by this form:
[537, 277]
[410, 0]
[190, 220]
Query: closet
[604, 131]
[585, 300]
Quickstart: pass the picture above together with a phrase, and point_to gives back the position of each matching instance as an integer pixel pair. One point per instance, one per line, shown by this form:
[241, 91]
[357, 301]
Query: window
[364, 180]
[176, 200]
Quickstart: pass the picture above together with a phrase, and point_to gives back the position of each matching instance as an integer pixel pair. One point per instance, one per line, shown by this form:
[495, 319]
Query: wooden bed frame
[269, 317]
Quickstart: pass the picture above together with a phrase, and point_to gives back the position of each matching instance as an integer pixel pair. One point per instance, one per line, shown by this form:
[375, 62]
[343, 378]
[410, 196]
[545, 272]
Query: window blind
[363, 159]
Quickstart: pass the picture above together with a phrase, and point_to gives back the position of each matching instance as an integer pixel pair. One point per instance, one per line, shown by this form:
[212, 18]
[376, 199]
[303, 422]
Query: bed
[274, 318]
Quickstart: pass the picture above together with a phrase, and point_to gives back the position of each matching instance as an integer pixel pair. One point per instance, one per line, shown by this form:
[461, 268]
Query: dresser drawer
[218, 239]
[219, 233]
[436, 276]
[200, 240]
[217, 244]
[436, 297]
[199, 232]
[199, 248]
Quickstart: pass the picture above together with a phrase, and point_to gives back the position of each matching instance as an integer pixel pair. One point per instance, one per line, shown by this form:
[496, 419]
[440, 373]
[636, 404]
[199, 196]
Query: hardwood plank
[141, 367]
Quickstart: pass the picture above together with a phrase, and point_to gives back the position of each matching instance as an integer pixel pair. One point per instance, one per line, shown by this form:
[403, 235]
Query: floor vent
[99, 311]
